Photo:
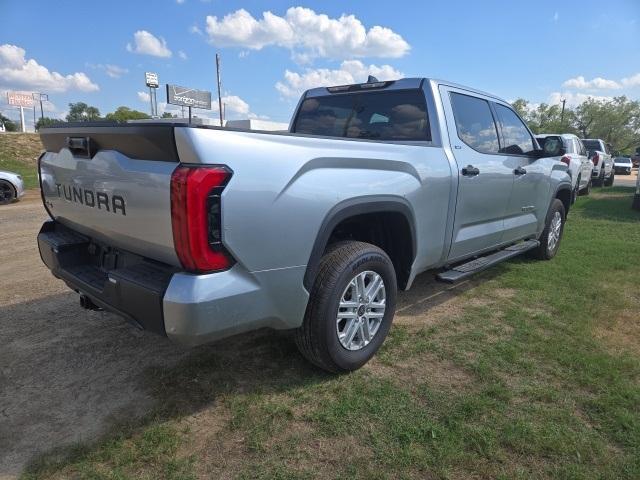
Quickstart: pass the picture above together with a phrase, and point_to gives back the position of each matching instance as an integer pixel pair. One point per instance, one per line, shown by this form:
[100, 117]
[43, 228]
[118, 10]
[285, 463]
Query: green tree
[616, 121]
[81, 112]
[122, 114]
[9, 125]
[47, 122]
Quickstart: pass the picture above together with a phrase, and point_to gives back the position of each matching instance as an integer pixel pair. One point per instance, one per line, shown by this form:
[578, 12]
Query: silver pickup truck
[198, 233]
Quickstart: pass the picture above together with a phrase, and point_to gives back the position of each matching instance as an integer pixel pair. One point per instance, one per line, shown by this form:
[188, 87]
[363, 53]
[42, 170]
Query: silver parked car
[622, 165]
[575, 157]
[11, 187]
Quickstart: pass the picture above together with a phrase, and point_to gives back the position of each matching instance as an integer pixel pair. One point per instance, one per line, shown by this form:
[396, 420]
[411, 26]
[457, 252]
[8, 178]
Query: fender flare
[350, 208]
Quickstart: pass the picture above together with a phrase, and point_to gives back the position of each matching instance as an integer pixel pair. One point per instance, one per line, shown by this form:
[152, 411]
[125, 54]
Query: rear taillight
[595, 159]
[566, 160]
[196, 217]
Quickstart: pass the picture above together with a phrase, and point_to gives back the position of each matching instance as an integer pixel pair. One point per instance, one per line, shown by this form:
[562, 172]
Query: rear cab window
[381, 115]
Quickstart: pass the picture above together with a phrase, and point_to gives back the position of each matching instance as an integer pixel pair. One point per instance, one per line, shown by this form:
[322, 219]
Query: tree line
[81, 112]
[616, 121]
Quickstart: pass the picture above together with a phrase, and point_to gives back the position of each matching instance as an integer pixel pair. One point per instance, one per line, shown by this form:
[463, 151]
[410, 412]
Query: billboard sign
[188, 97]
[20, 99]
[151, 79]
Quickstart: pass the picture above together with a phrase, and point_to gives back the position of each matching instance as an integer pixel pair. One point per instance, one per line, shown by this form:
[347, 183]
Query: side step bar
[481, 263]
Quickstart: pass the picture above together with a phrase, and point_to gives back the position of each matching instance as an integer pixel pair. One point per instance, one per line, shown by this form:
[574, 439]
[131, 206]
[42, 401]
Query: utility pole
[564, 100]
[219, 89]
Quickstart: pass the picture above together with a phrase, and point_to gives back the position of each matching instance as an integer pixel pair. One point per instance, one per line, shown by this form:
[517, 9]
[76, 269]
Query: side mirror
[552, 146]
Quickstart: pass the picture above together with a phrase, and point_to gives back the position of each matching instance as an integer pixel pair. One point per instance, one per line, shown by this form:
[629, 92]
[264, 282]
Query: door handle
[470, 171]
[520, 171]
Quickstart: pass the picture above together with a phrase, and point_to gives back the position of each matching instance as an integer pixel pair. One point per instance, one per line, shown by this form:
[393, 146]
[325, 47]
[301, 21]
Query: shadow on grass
[615, 206]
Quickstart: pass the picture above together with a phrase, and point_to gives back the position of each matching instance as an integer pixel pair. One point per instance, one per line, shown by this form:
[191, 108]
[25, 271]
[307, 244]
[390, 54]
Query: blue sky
[97, 52]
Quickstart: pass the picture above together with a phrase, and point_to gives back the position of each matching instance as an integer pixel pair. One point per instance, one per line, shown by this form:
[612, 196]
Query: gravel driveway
[66, 374]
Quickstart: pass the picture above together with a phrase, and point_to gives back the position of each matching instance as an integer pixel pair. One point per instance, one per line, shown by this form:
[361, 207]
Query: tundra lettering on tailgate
[89, 198]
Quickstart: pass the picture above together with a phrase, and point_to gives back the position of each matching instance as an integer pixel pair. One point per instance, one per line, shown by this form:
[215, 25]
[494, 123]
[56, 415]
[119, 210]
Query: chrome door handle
[470, 171]
[520, 171]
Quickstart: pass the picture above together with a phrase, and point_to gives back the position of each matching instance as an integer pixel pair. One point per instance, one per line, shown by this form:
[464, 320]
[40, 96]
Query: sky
[97, 52]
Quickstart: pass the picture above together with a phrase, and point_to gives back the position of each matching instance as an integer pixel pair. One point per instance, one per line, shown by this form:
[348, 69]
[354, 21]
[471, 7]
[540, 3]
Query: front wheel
[7, 192]
[587, 190]
[609, 181]
[351, 307]
[552, 234]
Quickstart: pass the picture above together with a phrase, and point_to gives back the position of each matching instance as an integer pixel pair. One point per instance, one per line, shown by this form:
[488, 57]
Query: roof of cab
[402, 84]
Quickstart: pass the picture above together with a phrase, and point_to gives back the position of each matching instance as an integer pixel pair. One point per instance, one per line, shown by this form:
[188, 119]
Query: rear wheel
[351, 307]
[7, 192]
[552, 234]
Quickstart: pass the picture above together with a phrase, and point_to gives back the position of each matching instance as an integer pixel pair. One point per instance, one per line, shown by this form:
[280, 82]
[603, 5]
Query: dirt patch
[23, 147]
[621, 334]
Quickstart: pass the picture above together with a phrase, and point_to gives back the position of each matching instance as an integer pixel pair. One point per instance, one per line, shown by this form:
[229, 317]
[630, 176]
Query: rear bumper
[190, 309]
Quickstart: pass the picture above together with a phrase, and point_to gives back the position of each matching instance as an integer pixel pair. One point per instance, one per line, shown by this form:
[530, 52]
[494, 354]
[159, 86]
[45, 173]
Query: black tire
[587, 190]
[7, 192]
[609, 181]
[599, 182]
[317, 338]
[544, 250]
[576, 191]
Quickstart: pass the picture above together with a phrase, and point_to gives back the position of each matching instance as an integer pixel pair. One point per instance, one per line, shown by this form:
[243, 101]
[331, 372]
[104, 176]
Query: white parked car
[623, 165]
[11, 187]
[2, 127]
[575, 156]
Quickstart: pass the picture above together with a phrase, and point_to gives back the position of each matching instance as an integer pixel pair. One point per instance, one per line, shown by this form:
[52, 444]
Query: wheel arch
[357, 208]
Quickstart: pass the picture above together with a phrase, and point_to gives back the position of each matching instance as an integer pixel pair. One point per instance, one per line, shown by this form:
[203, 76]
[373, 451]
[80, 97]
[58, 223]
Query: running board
[481, 263]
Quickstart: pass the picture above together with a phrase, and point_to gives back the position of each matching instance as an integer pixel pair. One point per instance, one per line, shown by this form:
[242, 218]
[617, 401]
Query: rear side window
[390, 115]
[517, 139]
[475, 123]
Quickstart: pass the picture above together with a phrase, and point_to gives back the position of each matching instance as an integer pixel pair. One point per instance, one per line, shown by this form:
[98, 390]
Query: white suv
[575, 156]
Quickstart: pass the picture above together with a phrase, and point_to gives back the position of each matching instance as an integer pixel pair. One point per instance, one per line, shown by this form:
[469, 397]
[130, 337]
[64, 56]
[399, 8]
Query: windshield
[622, 160]
[381, 115]
[592, 145]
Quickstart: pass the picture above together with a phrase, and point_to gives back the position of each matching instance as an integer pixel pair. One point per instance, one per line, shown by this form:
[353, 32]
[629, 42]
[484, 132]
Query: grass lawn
[531, 370]
[19, 153]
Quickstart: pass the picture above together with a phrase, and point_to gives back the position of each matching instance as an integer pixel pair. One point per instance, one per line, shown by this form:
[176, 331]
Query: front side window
[475, 123]
[517, 139]
[381, 115]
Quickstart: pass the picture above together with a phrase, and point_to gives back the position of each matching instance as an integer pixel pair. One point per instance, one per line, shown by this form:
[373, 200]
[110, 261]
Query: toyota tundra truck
[198, 233]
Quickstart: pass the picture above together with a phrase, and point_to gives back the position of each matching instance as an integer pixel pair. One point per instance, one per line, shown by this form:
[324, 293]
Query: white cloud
[180, 2]
[597, 83]
[307, 33]
[574, 99]
[17, 71]
[114, 71]
[146, 43]
[556, 17]
[195, 29]
[144, 97]
[182, 55]
[350, 71]
[633, 81]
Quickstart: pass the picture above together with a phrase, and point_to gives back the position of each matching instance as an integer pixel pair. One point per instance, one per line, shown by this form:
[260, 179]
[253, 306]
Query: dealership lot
[475, 350]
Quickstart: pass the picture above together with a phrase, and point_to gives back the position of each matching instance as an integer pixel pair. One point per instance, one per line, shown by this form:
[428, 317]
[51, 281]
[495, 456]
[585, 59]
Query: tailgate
[112, 183]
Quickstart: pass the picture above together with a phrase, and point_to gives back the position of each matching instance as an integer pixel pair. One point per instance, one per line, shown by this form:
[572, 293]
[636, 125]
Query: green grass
[19, 153]
[531, 379]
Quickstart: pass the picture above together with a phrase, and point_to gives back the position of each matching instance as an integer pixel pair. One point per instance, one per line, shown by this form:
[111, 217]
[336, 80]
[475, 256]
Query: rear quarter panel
[284, 186]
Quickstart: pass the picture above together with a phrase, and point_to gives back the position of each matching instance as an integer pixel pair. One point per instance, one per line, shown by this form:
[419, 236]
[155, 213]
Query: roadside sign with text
[152, 79]
[20, 99]
[188, 97]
